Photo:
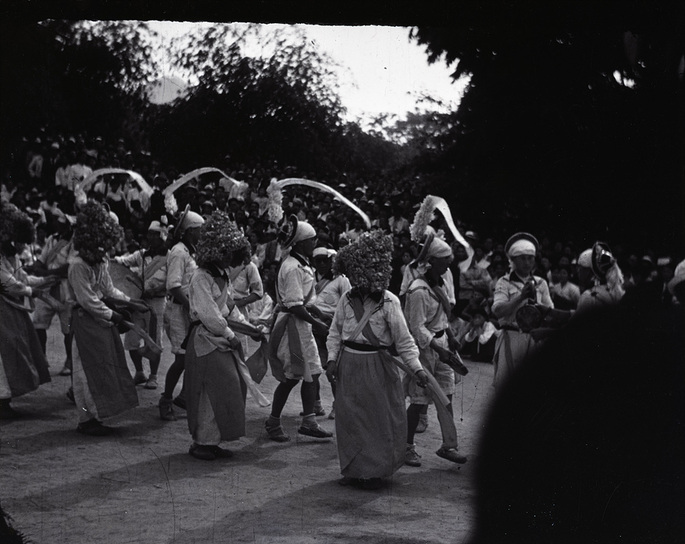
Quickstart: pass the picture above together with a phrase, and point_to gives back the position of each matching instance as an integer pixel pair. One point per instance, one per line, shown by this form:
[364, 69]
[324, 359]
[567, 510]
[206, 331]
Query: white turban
[522, 247]
[438, 249]
[324, 252]
[192, 220]
[304, 232]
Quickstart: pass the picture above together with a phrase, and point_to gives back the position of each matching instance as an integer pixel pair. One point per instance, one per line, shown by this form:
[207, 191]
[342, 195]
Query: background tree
[278, 103]
[74, 76]
[572, 121]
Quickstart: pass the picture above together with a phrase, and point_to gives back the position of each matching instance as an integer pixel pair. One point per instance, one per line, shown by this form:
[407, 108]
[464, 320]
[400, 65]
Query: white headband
[438, 249]
[522, 247]
[192, 220]
[304, 232]
[324, 252]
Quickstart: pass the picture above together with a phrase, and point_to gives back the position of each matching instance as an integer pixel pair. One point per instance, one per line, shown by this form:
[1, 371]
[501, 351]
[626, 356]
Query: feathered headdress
[274, 207]
[421, 231]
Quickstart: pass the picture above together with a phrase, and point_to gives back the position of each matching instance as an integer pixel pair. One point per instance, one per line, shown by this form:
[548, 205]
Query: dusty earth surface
[141, 486]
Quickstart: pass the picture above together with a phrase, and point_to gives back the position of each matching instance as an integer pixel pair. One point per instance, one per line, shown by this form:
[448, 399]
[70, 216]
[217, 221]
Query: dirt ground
[141, 486]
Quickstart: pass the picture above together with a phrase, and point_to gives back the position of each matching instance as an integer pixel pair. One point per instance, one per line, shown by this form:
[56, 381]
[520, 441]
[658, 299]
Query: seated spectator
[565, 294]
[478, 337]
[472, 279]
[479, 301]
[498, 267]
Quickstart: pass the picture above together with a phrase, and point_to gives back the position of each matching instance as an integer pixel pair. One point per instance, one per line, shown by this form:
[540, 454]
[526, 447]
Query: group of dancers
[330, 312]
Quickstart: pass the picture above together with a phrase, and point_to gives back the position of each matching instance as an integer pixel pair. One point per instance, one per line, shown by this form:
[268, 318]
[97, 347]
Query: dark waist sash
[363, 347]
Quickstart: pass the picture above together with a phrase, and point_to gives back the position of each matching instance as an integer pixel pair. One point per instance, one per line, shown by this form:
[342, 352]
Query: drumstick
[51, 301]
[154, 346]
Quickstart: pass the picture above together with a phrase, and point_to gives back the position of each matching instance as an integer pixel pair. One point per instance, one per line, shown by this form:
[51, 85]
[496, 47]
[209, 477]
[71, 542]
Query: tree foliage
[75, 76]
[277, 104]
[253, 97]
[572, 119]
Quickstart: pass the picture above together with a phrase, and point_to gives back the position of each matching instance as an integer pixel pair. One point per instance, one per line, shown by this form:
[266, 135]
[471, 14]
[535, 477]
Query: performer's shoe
[139, 377]
[206, 453]
[221, 453]
[276, 432]
[423, 424]
[66, 370]
[331, 414]
[180, 402]
[70, 395]
[151, 382]
[411, 458]
[166, 409]
[451, 454]
[93, 427]
[315, 431]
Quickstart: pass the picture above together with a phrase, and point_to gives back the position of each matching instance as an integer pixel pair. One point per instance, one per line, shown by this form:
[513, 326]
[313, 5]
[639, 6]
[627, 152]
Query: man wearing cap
[180, 267]
[54, 261]
[427, 309]
[514, 291]
[330, 288]
[293, 352]
[150, 267]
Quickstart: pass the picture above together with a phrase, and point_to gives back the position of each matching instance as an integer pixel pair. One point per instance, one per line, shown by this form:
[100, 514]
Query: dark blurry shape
[586, 441]
[595, 118]
[8, 534]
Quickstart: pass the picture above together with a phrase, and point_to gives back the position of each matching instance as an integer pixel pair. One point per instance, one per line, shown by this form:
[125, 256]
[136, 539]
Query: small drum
[528, 317]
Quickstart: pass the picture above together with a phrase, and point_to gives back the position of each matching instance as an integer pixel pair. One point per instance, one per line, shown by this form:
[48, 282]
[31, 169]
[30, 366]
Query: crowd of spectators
[44, 170]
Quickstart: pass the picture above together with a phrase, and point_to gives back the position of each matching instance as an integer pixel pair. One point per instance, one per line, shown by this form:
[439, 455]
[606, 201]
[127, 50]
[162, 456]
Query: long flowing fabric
[20, 352]
[104, 363]
[277, 186]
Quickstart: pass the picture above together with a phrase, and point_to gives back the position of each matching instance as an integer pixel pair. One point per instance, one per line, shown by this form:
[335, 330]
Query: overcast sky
[385, 71]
